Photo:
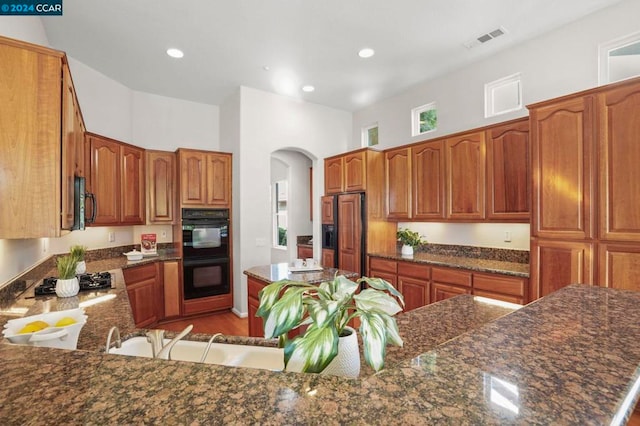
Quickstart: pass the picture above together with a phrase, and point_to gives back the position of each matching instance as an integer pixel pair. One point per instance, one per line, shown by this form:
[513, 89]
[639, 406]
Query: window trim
[365, 135]
[415, 118]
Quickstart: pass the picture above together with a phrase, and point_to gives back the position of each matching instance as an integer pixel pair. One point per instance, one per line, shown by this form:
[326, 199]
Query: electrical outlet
[112, 236]
[163, 234]
[507, 236]
[45, 244]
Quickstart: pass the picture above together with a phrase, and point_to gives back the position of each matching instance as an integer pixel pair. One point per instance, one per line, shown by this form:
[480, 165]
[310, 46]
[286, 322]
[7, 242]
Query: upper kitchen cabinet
[428, 180]
[398, 183]
[563, 171]
[509, 172]
[347, 172]
[205, 178]
[465, 182]
[619, 156]
[117, 180]
[161, 177]
[40, 125]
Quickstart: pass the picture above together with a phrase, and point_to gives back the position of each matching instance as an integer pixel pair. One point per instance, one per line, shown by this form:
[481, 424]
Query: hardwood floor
[224, 322]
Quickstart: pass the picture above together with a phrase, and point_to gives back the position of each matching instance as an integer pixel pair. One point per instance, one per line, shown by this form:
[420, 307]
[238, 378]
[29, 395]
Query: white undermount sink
[268, 358]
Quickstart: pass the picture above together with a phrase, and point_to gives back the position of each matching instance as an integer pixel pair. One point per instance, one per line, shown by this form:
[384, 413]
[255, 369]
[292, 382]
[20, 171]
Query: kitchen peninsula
[569, 358]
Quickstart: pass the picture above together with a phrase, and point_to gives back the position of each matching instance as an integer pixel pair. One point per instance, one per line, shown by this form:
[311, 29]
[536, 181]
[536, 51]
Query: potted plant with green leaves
[326, 309]
[410, 240]
[67, 283]
[78, 252]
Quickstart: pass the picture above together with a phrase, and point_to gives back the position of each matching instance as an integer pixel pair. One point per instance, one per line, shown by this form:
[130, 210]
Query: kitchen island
[570, 358]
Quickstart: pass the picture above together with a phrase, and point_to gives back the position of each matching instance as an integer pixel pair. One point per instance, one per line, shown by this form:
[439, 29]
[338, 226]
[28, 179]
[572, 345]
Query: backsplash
[505, 255]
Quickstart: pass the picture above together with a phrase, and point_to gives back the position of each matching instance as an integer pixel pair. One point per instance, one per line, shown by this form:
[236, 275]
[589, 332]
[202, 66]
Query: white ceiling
[227, 43]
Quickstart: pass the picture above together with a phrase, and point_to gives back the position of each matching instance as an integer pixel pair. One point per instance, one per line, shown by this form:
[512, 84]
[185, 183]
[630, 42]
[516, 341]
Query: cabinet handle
[94, 211]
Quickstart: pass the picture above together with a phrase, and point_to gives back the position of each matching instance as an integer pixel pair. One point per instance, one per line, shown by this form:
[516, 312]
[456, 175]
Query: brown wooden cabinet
[328, 258]
[172, 288]
[333, 172]
[326, 210]
[385, 269]
[144, 295]
[501, 287]
[398, 183]
[509, 172]
[254, 286]
[414, 282]
[40, 119]
[350, 233]
[161, 178]
[446, 283]
[619, 265]
[205, 178]
[465, 168]
[117, 180]
[346, 172]
[619, 161]
[557, 263]
[305, 252]
[428, 180]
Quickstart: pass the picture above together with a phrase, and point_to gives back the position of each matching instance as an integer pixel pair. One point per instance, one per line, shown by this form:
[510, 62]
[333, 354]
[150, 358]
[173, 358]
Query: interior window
[370, 135]
[281, 191]
[503, 95]
[424, 119]
[620, 59]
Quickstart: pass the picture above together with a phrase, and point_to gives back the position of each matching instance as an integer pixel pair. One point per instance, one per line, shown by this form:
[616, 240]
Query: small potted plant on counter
[410, 240]
[329, 345]
[78, 252]
[67, 283]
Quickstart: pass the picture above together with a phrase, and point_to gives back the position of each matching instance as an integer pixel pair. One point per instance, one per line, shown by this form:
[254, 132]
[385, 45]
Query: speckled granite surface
[460, 262]
[280, 271]
[569, 358]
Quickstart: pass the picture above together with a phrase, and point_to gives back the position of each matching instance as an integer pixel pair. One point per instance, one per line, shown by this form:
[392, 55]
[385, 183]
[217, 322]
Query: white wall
[269, 123]
[25, 28]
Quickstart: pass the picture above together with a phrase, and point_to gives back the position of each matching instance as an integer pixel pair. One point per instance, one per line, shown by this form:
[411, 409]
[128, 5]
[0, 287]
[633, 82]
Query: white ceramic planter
[67, 288]
[406, 250]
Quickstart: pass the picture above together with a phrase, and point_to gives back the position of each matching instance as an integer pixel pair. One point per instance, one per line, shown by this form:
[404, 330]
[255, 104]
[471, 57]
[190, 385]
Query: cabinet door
[427, 182]
[509, 172]
[219, 180]
[556, 264]
[562, 155]
[501, 287]
[30, 108]
[388, 277]
[105, 180]
[350, 233]
[256, 328]
[132, 192]
[355, 172]
[142, 288]
[415, 292]
[69, 141]
[441, 291]
[398, 183]
[619, 156]
[161, 174]
[305, 252]
[172, 288]
[328, 258]
[333, 180]
[619, 265]
[465, 159]
[326, 207]
[193, 176]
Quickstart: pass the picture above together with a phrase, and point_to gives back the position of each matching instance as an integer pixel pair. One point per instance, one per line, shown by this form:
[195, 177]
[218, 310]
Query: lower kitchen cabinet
[440, 291]
[446, 283]
[385, 269]
[328, 258]
[505, 288]
[255, 323]
[305, 252]
[619, 265]
[144, 295]
[414, 284]
[172, 286]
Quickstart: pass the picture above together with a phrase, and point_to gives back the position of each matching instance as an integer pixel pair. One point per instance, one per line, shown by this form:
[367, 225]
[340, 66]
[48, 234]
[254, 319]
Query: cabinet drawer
[254, 287]
[500, 284]
[408, 269]
[383, 265]
[451, 276]
[139, 273]
[498, 296]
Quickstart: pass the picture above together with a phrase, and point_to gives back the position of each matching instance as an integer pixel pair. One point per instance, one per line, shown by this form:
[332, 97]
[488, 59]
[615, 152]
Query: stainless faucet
[112, 331]
[156, 338]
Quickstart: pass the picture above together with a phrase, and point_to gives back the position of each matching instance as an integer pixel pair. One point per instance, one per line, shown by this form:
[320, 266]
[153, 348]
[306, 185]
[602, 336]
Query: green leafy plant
[327, 308]
[66, 266]
[78, 252]
[410, 238]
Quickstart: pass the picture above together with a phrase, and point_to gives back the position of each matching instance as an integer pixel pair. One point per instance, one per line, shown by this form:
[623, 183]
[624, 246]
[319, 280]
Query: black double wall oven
[205, 252]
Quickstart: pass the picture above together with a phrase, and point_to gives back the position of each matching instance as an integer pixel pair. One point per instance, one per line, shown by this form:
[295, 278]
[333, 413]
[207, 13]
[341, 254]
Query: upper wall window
[280, 219]
[619, 59]
[424, 119]
[370, 135]
[503, 95]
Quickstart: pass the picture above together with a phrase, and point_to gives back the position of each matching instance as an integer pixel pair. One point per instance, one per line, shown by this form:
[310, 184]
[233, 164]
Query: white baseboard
[239, 314]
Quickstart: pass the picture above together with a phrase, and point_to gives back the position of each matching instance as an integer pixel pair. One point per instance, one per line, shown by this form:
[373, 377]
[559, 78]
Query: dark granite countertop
[280, 271]
[569, 358]
[461, 262]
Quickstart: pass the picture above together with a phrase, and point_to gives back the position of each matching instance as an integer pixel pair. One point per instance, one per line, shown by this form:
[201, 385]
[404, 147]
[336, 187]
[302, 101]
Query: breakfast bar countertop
[569, 358]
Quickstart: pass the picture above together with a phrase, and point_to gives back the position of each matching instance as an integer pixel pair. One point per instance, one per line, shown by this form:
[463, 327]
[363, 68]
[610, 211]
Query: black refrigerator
[343, 232]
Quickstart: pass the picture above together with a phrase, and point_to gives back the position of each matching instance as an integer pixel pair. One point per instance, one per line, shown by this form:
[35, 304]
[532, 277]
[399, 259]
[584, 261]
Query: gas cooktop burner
[95, 281]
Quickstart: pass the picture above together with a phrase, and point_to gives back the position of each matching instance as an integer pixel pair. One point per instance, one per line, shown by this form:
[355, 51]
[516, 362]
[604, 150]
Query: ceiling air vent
[485, 37]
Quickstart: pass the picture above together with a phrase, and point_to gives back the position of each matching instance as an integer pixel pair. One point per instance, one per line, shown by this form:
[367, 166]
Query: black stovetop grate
[95, 281]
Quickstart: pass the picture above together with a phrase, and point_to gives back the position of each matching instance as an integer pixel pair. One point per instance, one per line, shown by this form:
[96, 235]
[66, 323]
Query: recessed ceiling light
[175, 53]
[308, 88]
[367, 52]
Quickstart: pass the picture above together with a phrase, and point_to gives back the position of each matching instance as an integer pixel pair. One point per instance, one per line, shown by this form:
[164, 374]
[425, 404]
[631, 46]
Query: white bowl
[52, 337]
[133, 255]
